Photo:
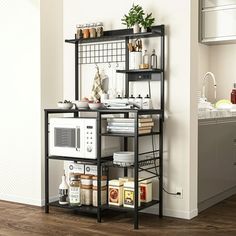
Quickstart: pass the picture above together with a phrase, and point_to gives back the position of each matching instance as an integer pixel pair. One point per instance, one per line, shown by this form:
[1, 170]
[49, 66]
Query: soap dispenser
[233, 94]
[147, 102]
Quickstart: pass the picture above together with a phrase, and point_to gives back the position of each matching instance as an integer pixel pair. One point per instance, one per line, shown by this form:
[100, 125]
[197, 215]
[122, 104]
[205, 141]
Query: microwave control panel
[90, 138]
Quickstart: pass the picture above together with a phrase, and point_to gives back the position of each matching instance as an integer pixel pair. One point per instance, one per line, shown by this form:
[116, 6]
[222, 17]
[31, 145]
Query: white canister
[146, 191]
[135, 59]
[139, 101]
[129, 195]
[115, 196]
[147, 103]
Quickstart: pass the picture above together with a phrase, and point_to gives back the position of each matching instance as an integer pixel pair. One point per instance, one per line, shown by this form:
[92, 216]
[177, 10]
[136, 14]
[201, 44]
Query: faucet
[204, 85]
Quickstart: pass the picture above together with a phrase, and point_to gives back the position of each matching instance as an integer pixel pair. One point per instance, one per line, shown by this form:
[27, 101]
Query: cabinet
[216, 157]
[217, 21]
[153, 163]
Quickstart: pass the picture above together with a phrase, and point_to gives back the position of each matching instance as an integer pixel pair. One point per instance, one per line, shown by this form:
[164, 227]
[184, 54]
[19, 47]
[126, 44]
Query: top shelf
[122, 34]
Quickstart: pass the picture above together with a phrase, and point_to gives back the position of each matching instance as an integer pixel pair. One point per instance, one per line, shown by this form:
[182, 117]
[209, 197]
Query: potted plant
[133, 18]
[147, 22]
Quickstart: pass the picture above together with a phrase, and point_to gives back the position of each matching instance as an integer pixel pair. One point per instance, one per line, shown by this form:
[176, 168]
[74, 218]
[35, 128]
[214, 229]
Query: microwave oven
[77, 137]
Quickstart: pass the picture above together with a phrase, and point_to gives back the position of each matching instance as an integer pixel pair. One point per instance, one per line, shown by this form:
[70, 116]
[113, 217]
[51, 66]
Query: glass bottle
[75, 190]
[153, 60]
[233, 94]
[79, 32]
[99, 29]
[92, 30]
[86, 31]
[146, 60]
[63, 191]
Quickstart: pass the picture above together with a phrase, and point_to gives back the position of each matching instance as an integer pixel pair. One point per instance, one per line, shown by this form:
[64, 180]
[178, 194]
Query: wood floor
[17, 220]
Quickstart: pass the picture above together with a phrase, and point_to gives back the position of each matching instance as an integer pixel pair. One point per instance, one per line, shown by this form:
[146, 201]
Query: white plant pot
[136, 28]
[143, 30]
[135, 59]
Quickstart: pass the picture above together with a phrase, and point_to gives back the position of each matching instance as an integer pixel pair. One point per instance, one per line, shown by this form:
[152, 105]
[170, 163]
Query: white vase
[135, 59]
[143, 30]
[136, 28]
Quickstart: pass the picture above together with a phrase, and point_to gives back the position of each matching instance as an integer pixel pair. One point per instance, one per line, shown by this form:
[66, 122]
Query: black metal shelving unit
[154, 158]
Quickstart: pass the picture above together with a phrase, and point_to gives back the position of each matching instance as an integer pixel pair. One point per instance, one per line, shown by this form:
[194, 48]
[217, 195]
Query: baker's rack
[154, 165]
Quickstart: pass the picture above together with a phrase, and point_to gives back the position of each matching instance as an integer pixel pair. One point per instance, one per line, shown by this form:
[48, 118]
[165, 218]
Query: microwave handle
[76, 138]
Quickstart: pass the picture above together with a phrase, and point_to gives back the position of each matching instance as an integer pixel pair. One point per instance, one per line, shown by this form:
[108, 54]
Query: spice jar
[99, 29]
[115, 192]
[92, 31]
[146, 191]
[86, 31]
[129, 195]
[86, 195]
[103, 181]
[86, 180]
[103, 195]
[79, 32]
[74, 190]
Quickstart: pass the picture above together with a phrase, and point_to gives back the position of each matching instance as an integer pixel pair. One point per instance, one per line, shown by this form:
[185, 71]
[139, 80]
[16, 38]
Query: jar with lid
[92, 30]
[103, 181]
[86, 195]
[115, 192]
[99, 29]
[103, 195]
[79, 31]
[86, 31]
[74, 190]
[86, 189]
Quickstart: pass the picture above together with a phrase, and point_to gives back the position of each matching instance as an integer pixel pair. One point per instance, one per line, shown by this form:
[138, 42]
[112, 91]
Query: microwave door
[66, 141]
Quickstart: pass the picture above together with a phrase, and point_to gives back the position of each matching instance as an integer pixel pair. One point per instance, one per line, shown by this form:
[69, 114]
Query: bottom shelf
[93, 210]
[121, 208]
[83, 209]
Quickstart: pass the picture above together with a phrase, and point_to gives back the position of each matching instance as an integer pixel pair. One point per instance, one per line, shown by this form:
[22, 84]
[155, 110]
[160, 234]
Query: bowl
[81, 104]
[63, 105]
[95, 106]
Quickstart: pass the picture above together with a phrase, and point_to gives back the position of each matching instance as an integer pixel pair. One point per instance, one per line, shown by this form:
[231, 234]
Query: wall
[26, 88]
[20, 158]
[222, 63]
[180, 145]
[51, 78]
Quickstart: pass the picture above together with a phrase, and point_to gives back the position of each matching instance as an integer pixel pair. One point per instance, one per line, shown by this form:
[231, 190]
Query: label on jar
[75, 195]
[129, 197]
[63, 196]
[114, 195]
[143, 193]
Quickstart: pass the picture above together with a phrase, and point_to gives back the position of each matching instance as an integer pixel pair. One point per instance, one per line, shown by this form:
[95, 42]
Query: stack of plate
[123, 158]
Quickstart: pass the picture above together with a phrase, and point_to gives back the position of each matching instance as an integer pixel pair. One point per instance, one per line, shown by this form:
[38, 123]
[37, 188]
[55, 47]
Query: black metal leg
[46, 164]
[136, 182]
[161, 167]
[99, 166]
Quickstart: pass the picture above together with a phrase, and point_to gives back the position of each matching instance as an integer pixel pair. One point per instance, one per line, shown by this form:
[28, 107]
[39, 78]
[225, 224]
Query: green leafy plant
[135, 15]
[147, 21]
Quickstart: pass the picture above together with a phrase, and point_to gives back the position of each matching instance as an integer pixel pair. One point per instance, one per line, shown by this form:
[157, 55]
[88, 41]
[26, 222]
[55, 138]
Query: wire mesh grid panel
[106, 52]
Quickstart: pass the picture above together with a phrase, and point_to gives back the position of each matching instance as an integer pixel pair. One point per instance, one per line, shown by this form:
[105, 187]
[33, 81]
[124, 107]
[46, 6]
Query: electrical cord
[175, 194]
[153, 148]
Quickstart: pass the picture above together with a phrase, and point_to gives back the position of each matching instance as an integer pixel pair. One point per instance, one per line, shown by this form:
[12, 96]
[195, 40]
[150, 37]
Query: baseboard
[24, 200]
[216, 199]
[172, 213]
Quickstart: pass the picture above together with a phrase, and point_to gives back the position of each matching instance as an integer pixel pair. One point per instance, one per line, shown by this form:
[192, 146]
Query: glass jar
[103, 195]
[75, 190]
[99, 29]
[86, 31]
[146, 59]
[86, 195]
[79, 32]
[86, 180]
[92, 30]
[103, 181]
